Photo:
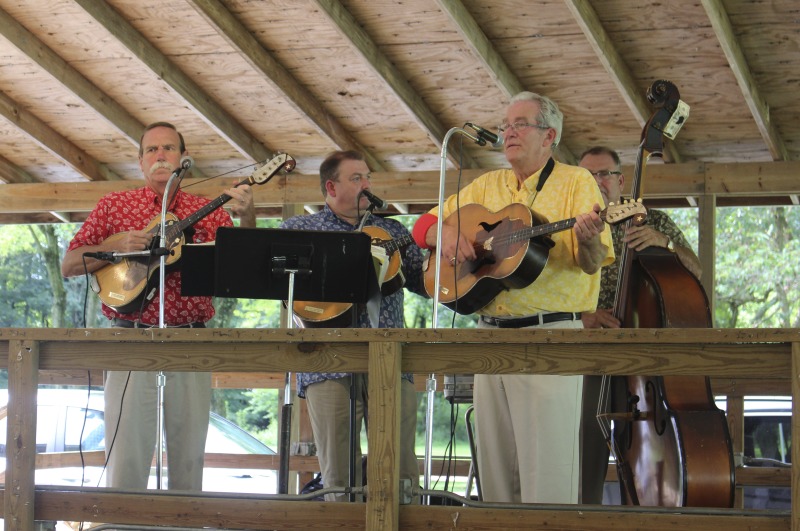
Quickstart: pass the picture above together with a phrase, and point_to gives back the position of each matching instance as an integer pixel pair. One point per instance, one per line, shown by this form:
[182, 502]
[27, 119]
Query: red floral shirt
[134, 210]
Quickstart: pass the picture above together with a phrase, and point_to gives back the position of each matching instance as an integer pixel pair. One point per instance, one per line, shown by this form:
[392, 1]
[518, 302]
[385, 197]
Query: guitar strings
[255, 165]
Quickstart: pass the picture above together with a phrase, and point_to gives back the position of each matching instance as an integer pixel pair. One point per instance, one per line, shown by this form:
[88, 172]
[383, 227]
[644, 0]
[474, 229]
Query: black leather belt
[124, 323]
[533, 320]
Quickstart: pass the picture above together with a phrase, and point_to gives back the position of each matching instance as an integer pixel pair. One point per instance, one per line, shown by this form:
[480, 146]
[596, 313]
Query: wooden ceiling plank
[73, 80]
[237, 35]
[50, 140]
[394, 80]
[744, 77]
[482, 48]
[618, 71]
[11, 173]
[194, 96]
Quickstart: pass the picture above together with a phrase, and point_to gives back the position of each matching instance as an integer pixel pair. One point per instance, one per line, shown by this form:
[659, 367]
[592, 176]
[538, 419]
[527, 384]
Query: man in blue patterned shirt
[344, 176]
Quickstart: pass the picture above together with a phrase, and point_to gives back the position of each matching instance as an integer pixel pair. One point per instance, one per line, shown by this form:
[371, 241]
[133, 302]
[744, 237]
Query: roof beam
[744, 77]
[60, 70]
[587, 19]
[394, 80]
[11, 173]
[210, 111]
[237, 35]
[665, 181]
[477, 40]
[482, 48]
[49, 139]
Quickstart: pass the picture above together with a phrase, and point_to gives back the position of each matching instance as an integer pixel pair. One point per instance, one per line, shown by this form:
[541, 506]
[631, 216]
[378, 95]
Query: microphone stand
[430, 383]
[161, 378]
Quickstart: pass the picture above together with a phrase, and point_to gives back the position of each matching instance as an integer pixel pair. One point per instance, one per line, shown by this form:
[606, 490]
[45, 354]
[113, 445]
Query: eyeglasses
[516, 126]
[604, 174]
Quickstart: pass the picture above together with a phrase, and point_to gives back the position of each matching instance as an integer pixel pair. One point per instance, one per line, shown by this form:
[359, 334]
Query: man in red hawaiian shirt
[131, 396]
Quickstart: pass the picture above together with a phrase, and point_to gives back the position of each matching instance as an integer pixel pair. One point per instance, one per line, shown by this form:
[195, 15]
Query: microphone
[376, 201]
[484, 136]
[116, 257]
[103, 256]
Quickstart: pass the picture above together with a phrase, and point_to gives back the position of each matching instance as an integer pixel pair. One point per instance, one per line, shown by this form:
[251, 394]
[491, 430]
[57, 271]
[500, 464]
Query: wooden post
[795, 431]
[383, 464]
[23, 371]
[707, 220]
[735, 416]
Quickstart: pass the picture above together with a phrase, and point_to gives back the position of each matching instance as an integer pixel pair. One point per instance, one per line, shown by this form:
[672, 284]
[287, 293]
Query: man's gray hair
[549, 113]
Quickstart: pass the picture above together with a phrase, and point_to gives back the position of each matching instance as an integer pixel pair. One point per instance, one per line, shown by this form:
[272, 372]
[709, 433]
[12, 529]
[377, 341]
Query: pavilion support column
[707, 220]
[23, 381]
[383, 463]
[795, 428]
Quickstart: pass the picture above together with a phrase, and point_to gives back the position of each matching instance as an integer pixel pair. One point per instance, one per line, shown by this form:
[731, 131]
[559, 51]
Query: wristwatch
[670, 245]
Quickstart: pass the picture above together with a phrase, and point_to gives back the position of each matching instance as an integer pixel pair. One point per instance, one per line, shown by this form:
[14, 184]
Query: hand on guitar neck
[121, 286]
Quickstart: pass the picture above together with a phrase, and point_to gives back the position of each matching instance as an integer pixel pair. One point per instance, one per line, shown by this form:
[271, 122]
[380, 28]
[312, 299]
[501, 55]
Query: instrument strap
[546, 171]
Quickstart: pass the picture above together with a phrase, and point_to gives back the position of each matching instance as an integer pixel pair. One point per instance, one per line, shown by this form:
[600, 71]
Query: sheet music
[381, 261]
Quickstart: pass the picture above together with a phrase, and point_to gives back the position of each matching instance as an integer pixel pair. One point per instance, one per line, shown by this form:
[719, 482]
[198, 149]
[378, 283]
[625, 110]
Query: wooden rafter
[73, 80]
[618, 71]
[494, 63]
[50, 140]
[394, 80]
[203, 104]
[237, 35]
[744, 77]
[11, 173]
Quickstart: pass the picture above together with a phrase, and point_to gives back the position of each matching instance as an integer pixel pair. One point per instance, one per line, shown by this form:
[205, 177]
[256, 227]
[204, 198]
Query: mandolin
[511, 248]
[123, 285]
[338, 314]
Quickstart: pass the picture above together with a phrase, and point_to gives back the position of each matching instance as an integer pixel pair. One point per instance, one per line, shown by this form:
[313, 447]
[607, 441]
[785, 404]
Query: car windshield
[64, 423]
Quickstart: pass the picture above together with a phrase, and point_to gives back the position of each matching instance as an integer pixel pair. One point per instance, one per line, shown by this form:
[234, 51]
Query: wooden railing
[767, 354]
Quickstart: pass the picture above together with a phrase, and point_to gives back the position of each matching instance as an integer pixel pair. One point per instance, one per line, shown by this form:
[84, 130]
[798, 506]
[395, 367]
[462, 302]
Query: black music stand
[334, 266]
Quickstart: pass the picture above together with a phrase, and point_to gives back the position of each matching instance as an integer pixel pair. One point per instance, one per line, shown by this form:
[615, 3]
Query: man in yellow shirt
[527, 426]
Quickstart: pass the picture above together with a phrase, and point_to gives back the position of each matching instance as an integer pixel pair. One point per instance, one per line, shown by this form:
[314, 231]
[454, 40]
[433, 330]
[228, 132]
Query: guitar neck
[394, 245]
[177, 228]
[548, 228]
[543, 230]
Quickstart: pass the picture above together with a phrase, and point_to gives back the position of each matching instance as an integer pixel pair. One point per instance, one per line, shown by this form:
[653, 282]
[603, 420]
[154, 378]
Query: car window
[768, 437]
[83, 426]
[226, 437]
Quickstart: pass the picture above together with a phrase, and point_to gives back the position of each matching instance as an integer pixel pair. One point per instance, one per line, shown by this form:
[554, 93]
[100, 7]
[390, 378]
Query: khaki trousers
[130, 420]
[527, 429]
[329, 411]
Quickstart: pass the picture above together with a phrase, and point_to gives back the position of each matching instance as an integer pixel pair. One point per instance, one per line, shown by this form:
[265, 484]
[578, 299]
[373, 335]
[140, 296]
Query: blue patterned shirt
[391, 310]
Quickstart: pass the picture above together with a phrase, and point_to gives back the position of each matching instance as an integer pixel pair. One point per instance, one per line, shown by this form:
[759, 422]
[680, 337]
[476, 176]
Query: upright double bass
[673, 448]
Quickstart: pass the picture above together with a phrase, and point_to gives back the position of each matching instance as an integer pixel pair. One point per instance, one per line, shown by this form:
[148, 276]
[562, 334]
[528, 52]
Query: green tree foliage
[757, 265]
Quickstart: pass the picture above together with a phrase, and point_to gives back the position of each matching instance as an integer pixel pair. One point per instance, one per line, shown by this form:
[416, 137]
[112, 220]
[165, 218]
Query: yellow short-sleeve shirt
[562, 286]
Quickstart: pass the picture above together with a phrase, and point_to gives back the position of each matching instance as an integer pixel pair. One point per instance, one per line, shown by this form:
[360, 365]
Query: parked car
[767, 443]
[72, 419]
